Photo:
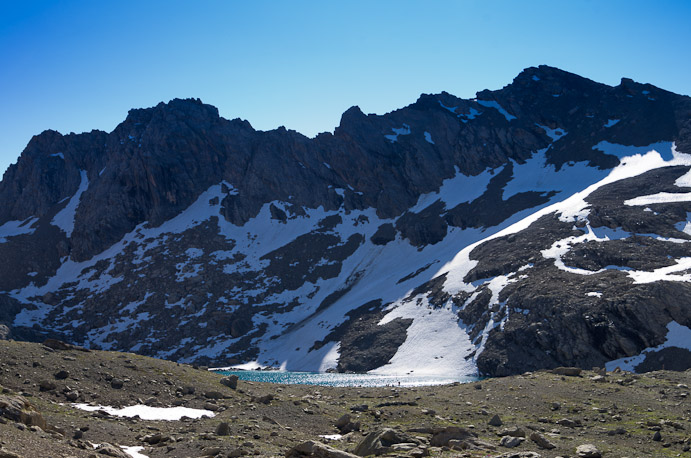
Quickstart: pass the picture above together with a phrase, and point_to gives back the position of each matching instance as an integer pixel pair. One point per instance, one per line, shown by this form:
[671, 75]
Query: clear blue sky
[74, 66]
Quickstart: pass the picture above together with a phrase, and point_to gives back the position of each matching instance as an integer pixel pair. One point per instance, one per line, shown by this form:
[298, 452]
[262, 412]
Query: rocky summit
[541, 225]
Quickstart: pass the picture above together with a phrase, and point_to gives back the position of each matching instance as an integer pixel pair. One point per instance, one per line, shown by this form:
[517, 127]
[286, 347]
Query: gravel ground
[618, 413]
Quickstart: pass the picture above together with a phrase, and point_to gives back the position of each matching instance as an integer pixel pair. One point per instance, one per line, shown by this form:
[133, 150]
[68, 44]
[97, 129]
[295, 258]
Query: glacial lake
[336, 379]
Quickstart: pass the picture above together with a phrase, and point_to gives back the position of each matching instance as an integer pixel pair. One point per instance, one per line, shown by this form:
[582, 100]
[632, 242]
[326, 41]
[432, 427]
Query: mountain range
[540, 225]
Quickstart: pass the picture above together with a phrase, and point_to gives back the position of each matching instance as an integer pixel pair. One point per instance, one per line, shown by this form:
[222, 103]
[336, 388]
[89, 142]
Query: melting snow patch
[454, 191]
[604, 233]
[330, 359]
[536, 175]
[594, 294]
[576, 207]
[134, 451]
[685, 226]
[659, 198]
[554, 134]
[472, 114]
[561, 247]
[331, 437]
[428, 137]
[193, 253]
[64, 219]
[496, 106]
[60, 155]
[451, 109]
[664, 273]
[435, 343]
[535, 78]
[611, 122]
[14, 228]
[684, 181]
[150, 413]
[405, 130]
[664, 149]
[677, 336]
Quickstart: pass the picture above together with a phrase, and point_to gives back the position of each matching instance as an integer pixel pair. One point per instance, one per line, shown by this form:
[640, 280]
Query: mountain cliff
[543, 224]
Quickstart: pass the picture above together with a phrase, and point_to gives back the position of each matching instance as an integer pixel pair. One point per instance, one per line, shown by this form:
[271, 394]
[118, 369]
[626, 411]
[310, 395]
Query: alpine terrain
[544, 224]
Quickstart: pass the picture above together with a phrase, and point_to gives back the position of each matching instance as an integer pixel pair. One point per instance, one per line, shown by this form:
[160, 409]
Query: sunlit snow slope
[511, 232]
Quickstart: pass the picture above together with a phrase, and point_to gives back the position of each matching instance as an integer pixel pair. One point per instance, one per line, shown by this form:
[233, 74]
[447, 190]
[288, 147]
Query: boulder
[568, 371]
[380, 442]
[513, 432]
[61, 375]
[231, 381]
[588, 451]
[18, 409]
[541, 441]
[495, 421]
[519, 455]
[8, 454]
[46, 385]
[510, 441]
[223, 429]
[111, 450]
[266, 399]
[442, 436]
[318, 450]
[57, 344]
[346, 425]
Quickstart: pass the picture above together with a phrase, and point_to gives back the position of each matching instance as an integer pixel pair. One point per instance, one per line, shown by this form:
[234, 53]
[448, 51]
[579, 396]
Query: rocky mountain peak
[187, 236]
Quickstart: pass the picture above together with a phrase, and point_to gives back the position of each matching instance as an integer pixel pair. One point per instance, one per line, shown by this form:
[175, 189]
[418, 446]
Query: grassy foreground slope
[618, 413]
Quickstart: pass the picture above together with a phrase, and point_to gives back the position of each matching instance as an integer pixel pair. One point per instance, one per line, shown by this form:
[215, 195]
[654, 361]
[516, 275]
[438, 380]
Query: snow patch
[194, 253]
[561, 247]
[611, 122]
[451, 109]
[428, 138]
[664, 273]
[149, 413]
[554, 134]
[677, 336]
[472, 114]
[457, 190]
[14, 228]
[435, 343]
[684, 226]
[494, 104]
[537, 175]
[331, 437]
[64, 219]
[405, 130]
[684, 181]
[664, 149]
[134, 451]
[659, 198]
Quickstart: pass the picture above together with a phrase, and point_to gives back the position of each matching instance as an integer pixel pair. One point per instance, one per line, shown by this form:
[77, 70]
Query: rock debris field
[564, 412]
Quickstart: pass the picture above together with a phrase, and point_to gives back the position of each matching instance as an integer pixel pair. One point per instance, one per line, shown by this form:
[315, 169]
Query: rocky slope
[541, 414]
[438, 238]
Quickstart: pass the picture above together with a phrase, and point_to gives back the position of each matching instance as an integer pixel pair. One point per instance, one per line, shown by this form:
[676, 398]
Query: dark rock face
[187, 236]
[588, 318]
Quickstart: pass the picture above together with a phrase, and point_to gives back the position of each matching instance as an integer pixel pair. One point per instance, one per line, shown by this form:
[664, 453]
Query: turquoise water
[329, 379]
